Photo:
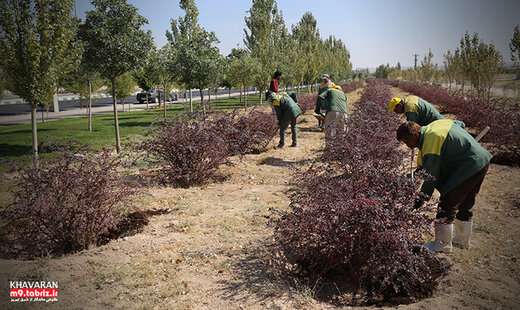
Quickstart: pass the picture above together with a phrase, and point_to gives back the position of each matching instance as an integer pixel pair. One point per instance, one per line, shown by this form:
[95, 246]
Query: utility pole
[415, 61]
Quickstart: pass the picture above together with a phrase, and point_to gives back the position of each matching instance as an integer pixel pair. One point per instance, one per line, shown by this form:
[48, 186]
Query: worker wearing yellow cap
[415, 109]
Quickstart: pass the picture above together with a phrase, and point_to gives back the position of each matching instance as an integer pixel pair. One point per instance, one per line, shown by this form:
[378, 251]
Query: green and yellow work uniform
[287, 111]
[458, 165]
[420, 111]
[333, 101]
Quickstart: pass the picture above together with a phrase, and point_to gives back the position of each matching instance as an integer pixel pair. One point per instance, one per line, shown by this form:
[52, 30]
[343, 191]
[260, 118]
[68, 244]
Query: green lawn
[15, 140]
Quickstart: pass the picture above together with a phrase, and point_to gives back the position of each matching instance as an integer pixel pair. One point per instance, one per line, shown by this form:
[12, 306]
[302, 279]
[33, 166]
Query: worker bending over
[415, 109]
[458, 165]
[287, 111]
[333, 101]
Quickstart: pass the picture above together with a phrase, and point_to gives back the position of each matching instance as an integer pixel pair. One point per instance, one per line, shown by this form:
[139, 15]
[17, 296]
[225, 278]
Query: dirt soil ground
[210, 251]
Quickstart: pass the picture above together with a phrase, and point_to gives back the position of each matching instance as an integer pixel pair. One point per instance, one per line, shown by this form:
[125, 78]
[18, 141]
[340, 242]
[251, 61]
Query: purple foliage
[351, 86]
[503, 118]
[245, 133]
[67, 205]
[307, 102]
[191, 150]
[353, 213]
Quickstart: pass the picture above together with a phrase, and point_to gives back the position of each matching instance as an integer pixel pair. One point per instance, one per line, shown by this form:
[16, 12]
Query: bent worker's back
[420, 111]
[450, 154]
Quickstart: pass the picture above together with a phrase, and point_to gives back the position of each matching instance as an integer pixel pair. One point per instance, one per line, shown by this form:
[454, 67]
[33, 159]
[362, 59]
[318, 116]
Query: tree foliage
[115, 43]
[35, 37]
[481, 63]
[196, 57]
[115, 40]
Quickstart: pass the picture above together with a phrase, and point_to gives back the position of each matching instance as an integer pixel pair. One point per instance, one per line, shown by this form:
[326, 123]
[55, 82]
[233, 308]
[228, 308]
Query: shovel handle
[482, 133]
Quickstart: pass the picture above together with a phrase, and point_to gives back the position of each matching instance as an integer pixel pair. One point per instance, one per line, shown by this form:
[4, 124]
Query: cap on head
[393, 103]
[325, 77]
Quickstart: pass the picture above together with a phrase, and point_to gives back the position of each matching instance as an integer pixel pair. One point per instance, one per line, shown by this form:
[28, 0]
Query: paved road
[20, 113]
[69, 104]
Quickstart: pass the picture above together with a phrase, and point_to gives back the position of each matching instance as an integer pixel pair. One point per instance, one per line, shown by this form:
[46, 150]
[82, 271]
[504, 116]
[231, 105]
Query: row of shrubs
[80, 199]
[352, 219]
[189, 151]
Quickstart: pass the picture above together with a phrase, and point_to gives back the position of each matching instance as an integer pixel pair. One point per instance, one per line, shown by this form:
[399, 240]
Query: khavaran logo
[33, 291]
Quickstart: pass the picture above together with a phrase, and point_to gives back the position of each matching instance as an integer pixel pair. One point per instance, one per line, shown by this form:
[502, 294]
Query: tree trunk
[240, 95]
[164, 102]
[229, 93]
[245, 96]
[191, 102]
[34, 128]
[209, 99]
[201, 92]
[89, 106]
[43, 116]
[116, 118]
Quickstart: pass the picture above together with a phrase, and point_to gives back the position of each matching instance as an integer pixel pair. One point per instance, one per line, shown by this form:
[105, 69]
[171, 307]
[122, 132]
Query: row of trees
[473, 61]
[45, 48]
[301, 53]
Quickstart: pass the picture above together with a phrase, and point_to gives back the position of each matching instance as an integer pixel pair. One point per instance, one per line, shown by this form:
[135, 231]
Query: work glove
[419, 202]
[420, 199]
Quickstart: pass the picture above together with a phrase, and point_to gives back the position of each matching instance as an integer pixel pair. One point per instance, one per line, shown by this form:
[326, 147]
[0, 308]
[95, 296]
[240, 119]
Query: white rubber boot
[462, 234]
[443, 237]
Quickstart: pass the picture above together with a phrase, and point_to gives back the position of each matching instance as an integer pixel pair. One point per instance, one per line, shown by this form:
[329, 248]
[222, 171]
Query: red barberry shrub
[503, 118]
[188, 151]
[245, 133]
[307, 102]
[66, 205]
[353, 213]
[351, 86]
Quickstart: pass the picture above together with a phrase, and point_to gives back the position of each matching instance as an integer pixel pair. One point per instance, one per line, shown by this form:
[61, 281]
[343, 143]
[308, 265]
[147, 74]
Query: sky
[375, 31]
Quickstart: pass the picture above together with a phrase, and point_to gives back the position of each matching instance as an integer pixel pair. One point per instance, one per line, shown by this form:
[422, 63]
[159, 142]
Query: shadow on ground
[279, 162]
[263, 273]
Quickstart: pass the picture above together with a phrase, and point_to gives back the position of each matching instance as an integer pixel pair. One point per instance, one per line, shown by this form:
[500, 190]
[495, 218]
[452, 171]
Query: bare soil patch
[212, 250]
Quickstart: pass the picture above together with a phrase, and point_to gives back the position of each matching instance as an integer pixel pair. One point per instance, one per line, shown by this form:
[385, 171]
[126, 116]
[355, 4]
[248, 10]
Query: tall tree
[307, 37]
[196, 54]
[116, 43]
[514, 46]
[146, 75]
[334, 58]
[165, 73]
[481, 62]
[34, 36]
[427, 68]
[262, 25]
[242, 68]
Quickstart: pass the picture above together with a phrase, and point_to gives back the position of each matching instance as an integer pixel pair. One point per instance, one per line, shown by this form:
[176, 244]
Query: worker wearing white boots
[458, 165]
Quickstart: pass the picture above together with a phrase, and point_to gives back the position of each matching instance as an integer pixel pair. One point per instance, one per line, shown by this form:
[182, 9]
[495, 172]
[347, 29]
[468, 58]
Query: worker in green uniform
[415, 109]
[458, 165]
[287, 111]
[333, 101]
